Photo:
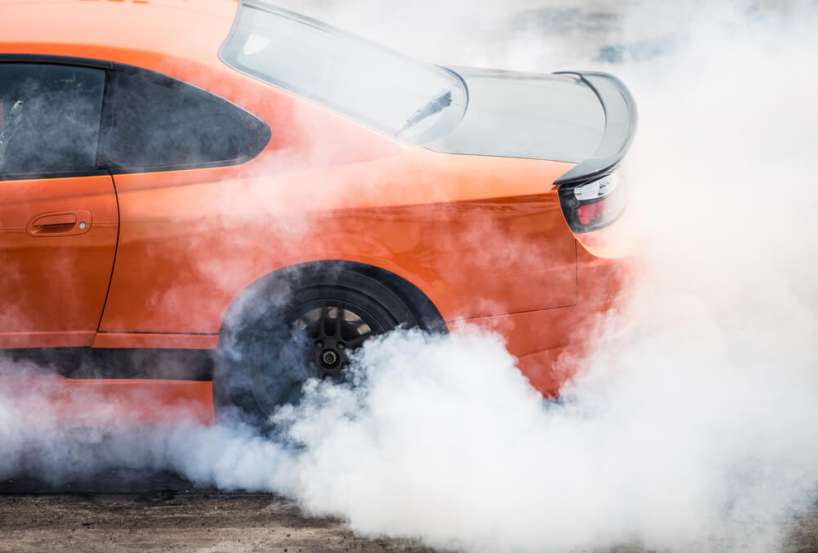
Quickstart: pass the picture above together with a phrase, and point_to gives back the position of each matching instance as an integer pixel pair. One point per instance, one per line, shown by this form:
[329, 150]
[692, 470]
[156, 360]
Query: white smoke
[691, 427]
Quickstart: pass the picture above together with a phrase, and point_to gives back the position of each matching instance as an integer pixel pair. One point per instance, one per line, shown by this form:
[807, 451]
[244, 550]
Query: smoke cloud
[691, 425]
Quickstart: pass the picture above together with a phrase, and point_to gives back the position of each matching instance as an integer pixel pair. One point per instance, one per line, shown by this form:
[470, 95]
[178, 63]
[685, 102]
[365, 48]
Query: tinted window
[158, 123]
[49, 118]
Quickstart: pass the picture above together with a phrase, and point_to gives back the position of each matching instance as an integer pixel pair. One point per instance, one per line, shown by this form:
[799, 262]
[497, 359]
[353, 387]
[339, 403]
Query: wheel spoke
[322, 321]
[358, 340]
[339, 319]
[328, 327]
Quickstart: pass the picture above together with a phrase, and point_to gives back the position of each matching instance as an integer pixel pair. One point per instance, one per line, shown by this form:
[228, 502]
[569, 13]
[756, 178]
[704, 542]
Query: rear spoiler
[620, 127]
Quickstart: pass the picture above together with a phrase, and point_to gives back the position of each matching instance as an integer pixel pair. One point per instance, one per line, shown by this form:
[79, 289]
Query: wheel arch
[412, 295]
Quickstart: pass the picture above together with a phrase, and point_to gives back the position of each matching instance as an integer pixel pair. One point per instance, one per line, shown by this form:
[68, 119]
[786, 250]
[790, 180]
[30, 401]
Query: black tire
[273, 344]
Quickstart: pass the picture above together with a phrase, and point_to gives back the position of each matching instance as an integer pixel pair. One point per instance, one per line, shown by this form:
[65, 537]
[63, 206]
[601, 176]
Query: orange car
[181, 179]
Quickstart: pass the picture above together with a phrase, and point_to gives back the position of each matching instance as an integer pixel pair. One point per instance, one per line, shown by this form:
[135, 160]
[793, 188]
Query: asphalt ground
[126, 511]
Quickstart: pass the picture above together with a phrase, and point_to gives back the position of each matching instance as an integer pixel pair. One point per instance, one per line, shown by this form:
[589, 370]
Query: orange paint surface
[168, 253]
[55, 285]
[109, 402]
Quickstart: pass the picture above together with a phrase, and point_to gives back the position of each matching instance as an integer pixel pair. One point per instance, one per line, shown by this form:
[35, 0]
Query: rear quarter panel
[480, 236]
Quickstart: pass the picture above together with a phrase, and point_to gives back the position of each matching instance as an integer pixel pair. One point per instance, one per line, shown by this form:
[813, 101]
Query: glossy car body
[156, 260]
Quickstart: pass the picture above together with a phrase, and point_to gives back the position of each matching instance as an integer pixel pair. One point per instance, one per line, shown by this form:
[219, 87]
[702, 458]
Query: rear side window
[156, 123]
[49, 119]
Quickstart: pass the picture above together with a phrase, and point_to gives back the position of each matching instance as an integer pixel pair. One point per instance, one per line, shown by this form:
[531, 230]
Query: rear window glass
[158, 123]
[49, 119]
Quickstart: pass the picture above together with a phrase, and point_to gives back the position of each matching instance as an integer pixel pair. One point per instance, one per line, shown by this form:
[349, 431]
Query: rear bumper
[550, 344]
[604, 266]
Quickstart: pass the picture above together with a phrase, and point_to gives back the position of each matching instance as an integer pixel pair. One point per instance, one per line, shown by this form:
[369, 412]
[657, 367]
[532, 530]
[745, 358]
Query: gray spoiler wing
[620, 127]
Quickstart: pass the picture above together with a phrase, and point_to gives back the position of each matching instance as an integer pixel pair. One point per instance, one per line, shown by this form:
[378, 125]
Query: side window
[49, 119]
[155, 123]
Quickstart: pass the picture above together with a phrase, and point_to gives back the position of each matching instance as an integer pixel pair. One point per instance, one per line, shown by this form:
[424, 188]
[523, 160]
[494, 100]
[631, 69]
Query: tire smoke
[692, 425]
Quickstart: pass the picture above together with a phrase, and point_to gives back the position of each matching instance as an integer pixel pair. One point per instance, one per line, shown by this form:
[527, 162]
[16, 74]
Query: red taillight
[593, 205]
[591, 214]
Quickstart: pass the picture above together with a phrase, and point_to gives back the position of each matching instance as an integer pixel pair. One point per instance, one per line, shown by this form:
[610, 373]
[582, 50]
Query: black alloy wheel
[307, 329]
[332, 333]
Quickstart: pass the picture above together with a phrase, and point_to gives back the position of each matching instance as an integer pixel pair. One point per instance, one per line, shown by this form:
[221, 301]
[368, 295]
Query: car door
[58, 209]
[173, 150]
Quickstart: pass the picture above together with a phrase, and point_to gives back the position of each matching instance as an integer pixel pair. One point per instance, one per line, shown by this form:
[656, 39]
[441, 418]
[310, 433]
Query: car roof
[127, 31]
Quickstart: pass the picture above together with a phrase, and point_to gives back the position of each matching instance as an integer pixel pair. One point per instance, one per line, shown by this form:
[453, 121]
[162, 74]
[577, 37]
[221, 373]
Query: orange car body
[164, 255]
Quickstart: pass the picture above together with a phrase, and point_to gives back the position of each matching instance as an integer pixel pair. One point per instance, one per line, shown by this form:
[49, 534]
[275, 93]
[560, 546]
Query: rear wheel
[305, 326]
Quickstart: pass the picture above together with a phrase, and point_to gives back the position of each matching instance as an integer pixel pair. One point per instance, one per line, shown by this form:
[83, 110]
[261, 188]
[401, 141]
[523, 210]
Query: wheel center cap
[330, 358]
